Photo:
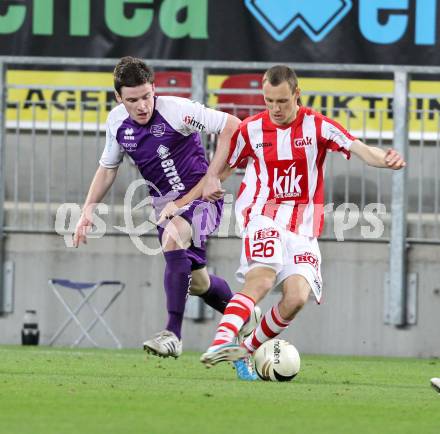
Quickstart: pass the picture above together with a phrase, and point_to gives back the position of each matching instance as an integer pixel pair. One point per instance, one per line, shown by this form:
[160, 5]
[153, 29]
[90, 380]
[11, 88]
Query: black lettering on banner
[324, 105]
[419, 108]
[341, 104]
[110, 100]
[86, 97]
[434, 105]
[390, 114]
[29, 100]
[70, 103]
[372, 100]
[310, 100]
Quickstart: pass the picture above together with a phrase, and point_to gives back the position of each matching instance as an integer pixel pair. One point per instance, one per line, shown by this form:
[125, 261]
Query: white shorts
[265, 244]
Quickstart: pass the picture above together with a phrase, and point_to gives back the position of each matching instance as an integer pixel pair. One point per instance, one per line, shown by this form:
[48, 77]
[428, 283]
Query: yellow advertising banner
[58, 99]
[72, 100]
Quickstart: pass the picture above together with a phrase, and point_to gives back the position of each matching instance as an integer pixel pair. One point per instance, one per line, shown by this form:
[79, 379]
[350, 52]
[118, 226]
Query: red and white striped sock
[236, 314]
[271, 325]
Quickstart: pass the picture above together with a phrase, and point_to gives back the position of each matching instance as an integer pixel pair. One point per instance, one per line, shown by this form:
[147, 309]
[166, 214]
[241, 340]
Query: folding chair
[241, 95]
[176, 83]
[81, 288]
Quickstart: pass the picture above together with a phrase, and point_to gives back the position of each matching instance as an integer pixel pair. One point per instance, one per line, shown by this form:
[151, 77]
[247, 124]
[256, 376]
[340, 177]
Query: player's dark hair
[278, 74]
[131, 72]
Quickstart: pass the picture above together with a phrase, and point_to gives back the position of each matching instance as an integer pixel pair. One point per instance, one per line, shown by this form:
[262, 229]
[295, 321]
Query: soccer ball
[277, 360]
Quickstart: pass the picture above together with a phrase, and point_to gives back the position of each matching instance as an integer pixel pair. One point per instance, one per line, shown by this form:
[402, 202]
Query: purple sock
[218, 294]
[176, 281]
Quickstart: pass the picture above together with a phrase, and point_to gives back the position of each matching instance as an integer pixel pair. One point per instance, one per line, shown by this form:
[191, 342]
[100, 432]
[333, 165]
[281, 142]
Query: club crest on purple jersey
[158, 130]
[163, 152]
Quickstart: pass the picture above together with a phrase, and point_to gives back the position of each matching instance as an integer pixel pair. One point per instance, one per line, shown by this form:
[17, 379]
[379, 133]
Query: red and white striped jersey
[284, 177]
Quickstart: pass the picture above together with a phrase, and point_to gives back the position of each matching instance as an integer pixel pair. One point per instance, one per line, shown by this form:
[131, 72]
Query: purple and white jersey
[167, 150]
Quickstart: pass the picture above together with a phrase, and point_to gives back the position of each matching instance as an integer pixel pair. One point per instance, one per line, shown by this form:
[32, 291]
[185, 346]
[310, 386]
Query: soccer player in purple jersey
[162, 136]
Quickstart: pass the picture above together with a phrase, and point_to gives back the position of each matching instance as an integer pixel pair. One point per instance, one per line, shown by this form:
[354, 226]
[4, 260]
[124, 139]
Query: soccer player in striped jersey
[162, 136]
[280, 207]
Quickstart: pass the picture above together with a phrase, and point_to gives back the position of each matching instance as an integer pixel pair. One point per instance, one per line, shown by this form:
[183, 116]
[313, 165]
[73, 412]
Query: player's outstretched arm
[377, 157]
[212, 189]
[102, 181]
[172, 207]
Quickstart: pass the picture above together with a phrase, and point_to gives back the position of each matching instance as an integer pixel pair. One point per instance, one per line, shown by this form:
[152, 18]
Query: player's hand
[83, 226]
[212, 189]
[169, 211]
[394, 160]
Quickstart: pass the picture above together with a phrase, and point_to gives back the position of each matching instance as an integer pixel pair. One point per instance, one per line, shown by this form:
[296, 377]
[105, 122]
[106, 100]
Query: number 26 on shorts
[263, 249]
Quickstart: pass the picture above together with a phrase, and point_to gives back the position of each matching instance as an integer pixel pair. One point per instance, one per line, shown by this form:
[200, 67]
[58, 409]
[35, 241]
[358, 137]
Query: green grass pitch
[45, 390]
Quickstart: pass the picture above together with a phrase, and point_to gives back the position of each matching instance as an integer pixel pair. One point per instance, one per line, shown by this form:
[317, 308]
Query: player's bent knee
[296, 291]
[197, 290]
[170, 245]
[301, 299]
[200, 282]
[294, 300]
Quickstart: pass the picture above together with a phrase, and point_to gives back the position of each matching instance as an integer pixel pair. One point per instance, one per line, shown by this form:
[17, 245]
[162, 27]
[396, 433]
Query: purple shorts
[204, 217]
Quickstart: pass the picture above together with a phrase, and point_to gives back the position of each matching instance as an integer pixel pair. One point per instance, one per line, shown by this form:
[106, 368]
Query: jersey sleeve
[335, 137]
[113, 153]
[188, 116]
[239, 149]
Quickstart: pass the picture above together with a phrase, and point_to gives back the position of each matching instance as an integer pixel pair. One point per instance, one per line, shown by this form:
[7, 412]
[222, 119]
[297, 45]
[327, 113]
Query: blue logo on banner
[316, 17]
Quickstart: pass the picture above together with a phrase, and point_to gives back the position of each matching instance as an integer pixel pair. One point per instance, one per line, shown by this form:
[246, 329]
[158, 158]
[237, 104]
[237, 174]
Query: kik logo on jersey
[315, 17]
[286, 183]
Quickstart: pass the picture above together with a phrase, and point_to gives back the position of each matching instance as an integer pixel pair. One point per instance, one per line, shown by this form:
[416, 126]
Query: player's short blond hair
[280, 73]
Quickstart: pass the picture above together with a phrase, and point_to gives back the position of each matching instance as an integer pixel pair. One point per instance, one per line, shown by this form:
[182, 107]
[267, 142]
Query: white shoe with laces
[235, 352]
[164, 344]
[223, 353]
[249, 326]
[435, 383]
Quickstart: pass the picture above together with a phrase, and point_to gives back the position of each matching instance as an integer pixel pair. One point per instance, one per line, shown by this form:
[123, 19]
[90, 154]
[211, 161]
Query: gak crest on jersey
[302, 142]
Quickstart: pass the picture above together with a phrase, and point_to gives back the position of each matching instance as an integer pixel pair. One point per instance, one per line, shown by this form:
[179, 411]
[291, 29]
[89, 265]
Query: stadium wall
[349, 321]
